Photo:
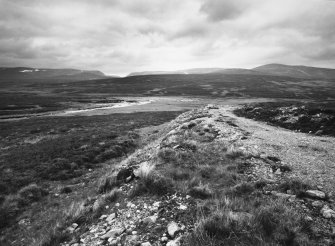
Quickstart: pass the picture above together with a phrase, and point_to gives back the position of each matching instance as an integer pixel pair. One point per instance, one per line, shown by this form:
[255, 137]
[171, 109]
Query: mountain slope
[199, 71]
[297, 71]
[19, 74]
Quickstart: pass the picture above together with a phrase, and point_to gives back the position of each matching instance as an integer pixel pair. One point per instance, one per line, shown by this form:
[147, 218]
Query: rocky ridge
[165, 220]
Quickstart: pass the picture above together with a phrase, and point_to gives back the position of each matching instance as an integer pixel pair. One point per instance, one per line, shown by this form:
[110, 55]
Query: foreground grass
[231, 209]
[70, 148]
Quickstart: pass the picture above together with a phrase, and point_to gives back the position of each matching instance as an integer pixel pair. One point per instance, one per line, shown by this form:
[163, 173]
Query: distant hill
[296, 71]
[199, 71]
[269, 69]
[20, 74]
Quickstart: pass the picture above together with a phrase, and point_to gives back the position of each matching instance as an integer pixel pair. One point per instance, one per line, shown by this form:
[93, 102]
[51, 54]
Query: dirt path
[311, 157]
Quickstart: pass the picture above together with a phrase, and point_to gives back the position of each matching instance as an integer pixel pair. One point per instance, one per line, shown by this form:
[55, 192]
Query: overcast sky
[122, 36]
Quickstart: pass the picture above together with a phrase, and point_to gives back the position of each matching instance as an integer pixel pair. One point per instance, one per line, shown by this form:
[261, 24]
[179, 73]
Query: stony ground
[275, 154]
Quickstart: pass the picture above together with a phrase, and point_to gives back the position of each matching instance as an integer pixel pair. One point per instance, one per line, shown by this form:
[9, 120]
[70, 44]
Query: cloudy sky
[122, 36]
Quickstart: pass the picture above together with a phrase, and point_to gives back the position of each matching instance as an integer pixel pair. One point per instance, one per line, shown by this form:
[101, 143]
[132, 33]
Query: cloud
[218, 10]
[122, 36]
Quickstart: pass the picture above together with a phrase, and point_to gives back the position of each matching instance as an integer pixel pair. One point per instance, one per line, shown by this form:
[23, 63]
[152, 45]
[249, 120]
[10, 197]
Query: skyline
[119, 37]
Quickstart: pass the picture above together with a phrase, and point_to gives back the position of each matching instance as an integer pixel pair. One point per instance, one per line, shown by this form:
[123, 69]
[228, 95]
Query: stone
[111, 217]
[317, 204]
[278, 172]
[134, 232]
[104, 216]
[150, 220]
[283, 195]
[327, 212]
[175, 242]
[316, 194]
[156, 204]
[146, 244]
[182, 207]
[164, 239]
[173, 228]
[114, 232]
[309, 218]
[131, 240]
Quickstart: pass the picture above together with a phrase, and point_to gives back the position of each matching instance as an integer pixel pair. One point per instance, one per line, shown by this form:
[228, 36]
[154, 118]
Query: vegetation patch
[317, 118]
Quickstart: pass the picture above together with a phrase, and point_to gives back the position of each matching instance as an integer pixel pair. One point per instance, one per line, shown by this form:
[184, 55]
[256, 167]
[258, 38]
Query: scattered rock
[131, 240]
[173, 228]
[113, 233]
[327, 212]
[317, 204]
[316, 194]
[283, 195]
[150, 219]
[164, 239]
[111, 217]
[175, 242]
[146, 244]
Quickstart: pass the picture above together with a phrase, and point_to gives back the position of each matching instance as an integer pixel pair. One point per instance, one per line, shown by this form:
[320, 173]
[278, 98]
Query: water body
[104, 107]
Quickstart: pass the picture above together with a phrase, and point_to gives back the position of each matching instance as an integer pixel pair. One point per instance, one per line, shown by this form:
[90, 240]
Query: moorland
[66, 136]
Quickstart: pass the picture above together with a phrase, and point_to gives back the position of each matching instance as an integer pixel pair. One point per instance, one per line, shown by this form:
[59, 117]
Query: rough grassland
[211, 176]
[48, 162]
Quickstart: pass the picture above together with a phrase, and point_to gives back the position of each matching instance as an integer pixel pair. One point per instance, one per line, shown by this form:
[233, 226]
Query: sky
[123, 36]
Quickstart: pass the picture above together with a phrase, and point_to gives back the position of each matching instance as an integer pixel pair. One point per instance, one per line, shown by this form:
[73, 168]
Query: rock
[114, 232]
[104, 216]
[156, 204]
[182, 207]
[164, 239]
[283, 195]
[175, 242]
[124, 173]
[131, 240]
[150, 219]
[146, 244]
[172, 228]
[111, 217]
[317, 204]
[278, 172]
[327, 212]
[316, 194]
[134, 232]
[309, 218]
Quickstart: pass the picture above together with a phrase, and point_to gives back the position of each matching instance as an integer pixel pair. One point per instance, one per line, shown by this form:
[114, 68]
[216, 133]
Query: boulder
[111, 217]
[316, 194]
[327, 212]
[150, 220]
[172, 229]
[114, 232]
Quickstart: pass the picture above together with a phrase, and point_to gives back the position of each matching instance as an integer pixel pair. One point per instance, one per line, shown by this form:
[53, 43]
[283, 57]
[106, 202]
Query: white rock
[327, 212]
[175, 242]
[164, 239]
[156, 204]
[317, 204]
[316, 194]
[182, 207]
[173, 228]
[113, 233]
[104, 216]
[150, 219]
[146, 244]
[111, 217]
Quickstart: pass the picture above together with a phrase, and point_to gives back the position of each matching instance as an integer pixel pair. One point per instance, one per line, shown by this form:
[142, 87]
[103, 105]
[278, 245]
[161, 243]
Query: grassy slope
[60, 149]
[201, 154]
